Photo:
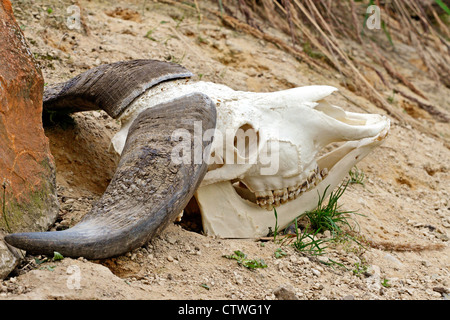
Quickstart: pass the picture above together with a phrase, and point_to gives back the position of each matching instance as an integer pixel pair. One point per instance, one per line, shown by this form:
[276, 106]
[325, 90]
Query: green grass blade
[443, 6]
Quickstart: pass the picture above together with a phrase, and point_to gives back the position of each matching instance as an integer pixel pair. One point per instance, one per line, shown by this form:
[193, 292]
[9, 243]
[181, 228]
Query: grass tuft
[306, 241]
[356, 176]
[327, 216]
[243, 261]
[330, 216]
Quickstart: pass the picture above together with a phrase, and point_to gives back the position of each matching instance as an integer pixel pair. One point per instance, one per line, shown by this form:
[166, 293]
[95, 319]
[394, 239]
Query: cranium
[266, 152]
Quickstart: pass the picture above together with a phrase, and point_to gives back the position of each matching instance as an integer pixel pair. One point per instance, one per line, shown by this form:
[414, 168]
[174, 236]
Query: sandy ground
[404, 201]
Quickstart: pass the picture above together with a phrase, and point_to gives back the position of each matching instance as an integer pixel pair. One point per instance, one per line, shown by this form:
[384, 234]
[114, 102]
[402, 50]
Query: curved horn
[147, 191]
[124, 80]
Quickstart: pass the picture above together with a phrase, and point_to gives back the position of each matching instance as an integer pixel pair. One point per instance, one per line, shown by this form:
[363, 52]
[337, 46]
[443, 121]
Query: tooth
[317, 179]
[261, 201]
[285, 196]
[259, 194]
[305, 185]
[267, 206]
[292, 191]
[276, 197]
[311, 177]
[270, 199]
[264, 197]
[278, 193]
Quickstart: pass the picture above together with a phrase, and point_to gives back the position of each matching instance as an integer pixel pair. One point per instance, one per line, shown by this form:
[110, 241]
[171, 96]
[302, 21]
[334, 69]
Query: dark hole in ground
[192, 219]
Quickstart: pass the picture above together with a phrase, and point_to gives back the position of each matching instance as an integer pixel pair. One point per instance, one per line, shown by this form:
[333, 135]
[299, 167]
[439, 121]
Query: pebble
[373, 270]
[170, 258]
[426, 263]
[285, 292]
[304, 260]
[393, 259]
[238, 278]
[433, 293]
[171, 240]
[316, 272]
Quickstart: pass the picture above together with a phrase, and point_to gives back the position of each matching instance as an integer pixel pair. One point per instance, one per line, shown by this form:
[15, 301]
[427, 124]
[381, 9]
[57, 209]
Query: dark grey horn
[148, 189]
[110, 87]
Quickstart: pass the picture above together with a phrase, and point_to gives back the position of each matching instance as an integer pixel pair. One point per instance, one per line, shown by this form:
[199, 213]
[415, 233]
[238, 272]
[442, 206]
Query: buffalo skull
[240, 154]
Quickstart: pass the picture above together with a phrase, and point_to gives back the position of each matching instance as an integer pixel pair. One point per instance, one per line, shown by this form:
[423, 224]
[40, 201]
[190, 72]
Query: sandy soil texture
[404, 204]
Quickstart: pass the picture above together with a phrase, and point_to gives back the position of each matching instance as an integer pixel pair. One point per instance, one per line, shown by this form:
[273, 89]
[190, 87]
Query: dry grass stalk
[432, 110]
[394, 74]
[394, 246]
[355, 23]
[364, 85]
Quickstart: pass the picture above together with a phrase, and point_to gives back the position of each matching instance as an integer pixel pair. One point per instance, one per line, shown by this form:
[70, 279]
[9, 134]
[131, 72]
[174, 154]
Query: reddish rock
[27, 170]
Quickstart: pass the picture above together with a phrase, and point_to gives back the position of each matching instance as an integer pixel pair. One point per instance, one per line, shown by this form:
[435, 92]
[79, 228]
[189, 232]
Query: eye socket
[246, 141]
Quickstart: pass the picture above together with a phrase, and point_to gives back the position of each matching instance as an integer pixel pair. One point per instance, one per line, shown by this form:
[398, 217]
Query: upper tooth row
[270, 199]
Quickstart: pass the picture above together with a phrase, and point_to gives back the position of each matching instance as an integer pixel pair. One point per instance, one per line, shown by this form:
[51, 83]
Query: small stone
[316, 272]
[171, 240]
[318, 287]
[170, 258]
[393, 259]
[433, 293]
[441, 290]
[285, 292]
[238, 278]
[303, 260]
[373, 270]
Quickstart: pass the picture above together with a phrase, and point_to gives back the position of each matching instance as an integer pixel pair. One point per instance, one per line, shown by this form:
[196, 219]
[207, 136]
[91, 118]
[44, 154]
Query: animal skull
[265, 152]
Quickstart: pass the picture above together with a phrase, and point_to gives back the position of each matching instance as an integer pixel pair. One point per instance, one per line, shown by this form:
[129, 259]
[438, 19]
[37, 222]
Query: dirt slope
[405, 200]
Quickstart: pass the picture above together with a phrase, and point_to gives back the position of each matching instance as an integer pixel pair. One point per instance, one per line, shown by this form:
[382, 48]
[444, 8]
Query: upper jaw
[368, 130]
[340, 125]
[325, 165]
